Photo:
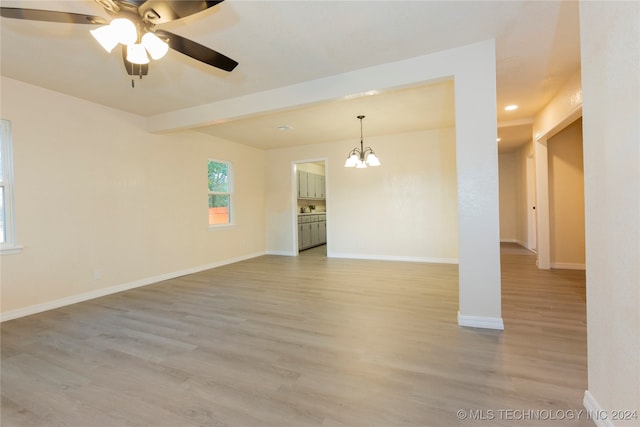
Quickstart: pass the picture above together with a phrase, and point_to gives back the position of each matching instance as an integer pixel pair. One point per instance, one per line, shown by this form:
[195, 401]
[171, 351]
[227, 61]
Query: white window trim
[9, 246]
[231, 179]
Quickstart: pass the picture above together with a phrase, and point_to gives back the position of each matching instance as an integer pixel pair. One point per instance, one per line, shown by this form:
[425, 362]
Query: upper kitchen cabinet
[319, 186]
[310, 185]
[303, 184]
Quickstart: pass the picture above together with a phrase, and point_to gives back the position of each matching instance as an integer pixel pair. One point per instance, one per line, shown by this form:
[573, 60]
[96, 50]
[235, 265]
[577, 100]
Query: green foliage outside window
[218, 200]
[218, 183]
[218, 177]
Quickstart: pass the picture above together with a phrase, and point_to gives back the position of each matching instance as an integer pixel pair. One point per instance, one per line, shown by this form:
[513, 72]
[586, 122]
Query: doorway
[566, 198]
[311, 205]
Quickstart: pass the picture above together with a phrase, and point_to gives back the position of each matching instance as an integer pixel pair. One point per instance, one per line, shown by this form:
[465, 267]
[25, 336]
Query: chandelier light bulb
[352, 161]
[372, 159]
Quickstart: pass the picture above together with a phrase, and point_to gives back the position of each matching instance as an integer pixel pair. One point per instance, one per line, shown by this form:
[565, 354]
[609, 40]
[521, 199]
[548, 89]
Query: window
[7, 224]
[220, 192]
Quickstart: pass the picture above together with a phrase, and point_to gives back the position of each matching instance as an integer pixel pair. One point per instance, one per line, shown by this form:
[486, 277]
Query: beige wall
[508, 174]
[610, 51]
[102, 204]
[405, 209]
[566, 198]
[564, 108]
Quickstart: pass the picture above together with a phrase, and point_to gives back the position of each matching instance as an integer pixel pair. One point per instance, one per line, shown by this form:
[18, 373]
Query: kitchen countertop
[312, 213]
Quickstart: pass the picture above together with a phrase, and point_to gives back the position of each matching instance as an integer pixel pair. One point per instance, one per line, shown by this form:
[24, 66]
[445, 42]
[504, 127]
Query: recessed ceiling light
[511, 107]
[284, 128]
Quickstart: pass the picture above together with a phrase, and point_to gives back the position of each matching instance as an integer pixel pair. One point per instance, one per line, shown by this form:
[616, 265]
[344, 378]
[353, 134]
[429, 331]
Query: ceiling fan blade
[51, 16]
[133, 69]
[198, 52]
[161, 11]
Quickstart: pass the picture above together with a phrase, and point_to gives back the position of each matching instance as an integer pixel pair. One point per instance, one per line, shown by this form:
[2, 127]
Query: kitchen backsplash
[304, 205]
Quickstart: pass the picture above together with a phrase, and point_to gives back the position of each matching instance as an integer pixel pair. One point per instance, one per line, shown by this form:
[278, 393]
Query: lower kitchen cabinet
[304, 236]
[322, 230]
[312, 231]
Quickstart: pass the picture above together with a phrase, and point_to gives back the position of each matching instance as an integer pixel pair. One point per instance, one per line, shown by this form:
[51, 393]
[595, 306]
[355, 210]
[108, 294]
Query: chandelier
[361, 157]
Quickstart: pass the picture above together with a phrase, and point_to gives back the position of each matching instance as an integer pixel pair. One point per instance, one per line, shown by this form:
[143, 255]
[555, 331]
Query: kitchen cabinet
[305, 236]
[319, 186]
[322, 231]
[312, 231]
[310, 185]
[303, 183]
[315, 234]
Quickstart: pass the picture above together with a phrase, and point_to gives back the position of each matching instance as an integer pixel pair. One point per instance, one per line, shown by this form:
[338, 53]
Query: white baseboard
[567, 266]
[280, 253]
[481, 322]
[594, 409]
[394, 258]
[518, 242]
[50, 305]
[524, 245]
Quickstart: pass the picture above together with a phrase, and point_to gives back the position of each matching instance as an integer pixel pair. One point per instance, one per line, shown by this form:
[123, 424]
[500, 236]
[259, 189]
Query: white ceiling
[280, 43]
[398, 111]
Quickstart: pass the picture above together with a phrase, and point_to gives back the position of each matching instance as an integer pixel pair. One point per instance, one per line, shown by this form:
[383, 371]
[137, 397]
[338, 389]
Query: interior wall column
[542, 204]
[478, 200]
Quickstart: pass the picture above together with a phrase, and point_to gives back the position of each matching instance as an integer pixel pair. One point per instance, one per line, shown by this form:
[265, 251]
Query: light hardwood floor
[303, 341]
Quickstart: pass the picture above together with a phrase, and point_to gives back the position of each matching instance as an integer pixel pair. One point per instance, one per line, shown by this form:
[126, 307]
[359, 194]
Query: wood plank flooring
[304, 341]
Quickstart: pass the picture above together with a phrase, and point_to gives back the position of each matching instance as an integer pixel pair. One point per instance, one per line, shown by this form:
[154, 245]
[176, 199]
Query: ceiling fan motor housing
[156, 12]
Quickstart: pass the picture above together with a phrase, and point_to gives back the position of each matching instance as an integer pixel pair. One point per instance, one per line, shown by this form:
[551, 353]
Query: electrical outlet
[97, 274]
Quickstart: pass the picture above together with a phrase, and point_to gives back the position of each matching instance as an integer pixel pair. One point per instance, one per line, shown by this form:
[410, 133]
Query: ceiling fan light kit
[123, 31]
[132, 27]
[106, 37]
[136, 54]
[154, 45]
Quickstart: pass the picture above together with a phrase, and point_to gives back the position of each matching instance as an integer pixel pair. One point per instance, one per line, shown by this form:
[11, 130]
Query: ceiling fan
[133, 26]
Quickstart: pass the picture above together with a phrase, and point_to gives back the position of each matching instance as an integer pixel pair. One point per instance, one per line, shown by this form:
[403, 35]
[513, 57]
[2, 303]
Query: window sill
[216, 226]
[10, 250]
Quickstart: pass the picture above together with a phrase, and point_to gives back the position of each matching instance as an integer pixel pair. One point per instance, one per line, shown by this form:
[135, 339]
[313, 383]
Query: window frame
[8, 246]
[229, 193]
